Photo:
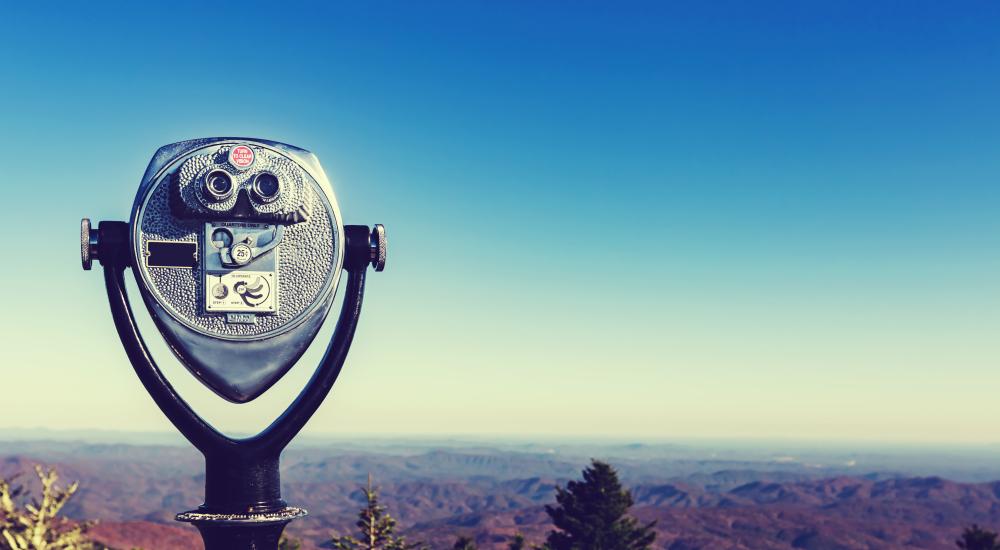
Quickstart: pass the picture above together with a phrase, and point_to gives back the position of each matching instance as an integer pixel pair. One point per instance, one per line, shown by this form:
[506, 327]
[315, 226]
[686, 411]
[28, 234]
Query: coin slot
[222, 238]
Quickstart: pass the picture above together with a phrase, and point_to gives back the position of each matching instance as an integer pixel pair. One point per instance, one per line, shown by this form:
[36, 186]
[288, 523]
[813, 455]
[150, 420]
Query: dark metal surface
[226, 536]
[226, 369]
[243, 508]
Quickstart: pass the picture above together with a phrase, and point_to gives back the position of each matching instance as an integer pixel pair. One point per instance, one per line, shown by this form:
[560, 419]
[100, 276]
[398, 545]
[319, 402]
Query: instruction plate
[241, 291]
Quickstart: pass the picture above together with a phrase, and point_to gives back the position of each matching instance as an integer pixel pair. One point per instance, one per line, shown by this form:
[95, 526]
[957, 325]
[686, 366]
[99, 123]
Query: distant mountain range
[490, 494]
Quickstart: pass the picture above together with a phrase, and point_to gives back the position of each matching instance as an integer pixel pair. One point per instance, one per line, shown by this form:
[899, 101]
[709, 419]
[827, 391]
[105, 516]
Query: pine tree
[38, 526]
[976, 538]
[464, 543]
[592, 514]
[376, 527]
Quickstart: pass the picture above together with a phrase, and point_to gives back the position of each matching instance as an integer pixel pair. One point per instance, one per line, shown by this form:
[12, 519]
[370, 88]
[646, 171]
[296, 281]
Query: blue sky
[640, 220]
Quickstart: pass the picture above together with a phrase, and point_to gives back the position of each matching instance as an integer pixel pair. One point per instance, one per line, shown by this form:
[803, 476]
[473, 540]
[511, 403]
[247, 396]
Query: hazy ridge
[701, 497]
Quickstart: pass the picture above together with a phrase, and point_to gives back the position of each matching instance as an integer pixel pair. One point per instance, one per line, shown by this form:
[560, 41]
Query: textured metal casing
[239, 361]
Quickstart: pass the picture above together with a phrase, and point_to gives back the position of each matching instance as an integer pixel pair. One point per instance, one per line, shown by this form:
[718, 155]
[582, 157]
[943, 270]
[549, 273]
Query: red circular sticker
[241, 157]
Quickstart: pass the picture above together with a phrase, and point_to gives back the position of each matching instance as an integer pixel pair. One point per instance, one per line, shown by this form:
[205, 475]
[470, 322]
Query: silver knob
[89, 239]
[378, 247]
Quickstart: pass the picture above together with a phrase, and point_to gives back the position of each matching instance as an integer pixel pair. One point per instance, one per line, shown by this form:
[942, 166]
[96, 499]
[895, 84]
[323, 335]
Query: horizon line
[66, 434]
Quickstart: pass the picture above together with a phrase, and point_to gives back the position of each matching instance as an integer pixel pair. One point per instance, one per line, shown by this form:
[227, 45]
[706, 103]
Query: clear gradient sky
[710, 219]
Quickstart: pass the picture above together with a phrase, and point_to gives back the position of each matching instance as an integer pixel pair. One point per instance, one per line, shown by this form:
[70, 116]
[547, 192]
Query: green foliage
[289, 543]
[517, 543]
[38, 526]
[976, 538]
[464, 543]
[377, 529]
[592, 515]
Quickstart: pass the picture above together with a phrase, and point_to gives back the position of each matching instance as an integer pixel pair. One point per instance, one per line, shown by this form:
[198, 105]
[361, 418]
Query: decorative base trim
[281, 516]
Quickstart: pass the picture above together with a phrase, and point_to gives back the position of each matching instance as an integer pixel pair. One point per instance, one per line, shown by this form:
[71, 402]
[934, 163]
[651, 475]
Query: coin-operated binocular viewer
[237, 247]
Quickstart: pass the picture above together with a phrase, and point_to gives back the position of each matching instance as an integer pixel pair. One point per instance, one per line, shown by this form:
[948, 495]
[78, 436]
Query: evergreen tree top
[592, 514]
[977, 538]
[376, 528]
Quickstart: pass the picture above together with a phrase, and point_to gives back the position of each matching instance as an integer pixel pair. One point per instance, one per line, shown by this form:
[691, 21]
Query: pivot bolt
[378, 247]
[89, 239]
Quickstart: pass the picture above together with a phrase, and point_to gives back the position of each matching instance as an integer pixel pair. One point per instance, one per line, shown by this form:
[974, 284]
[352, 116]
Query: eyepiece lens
[267, 187]
[218, 185]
